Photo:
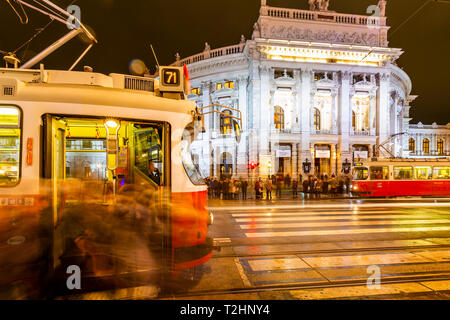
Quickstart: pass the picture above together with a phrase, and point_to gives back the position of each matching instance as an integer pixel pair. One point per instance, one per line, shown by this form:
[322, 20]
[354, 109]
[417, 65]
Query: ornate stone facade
[311, 86]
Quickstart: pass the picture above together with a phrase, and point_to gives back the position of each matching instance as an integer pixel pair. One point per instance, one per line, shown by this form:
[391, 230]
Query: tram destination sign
[171, 79]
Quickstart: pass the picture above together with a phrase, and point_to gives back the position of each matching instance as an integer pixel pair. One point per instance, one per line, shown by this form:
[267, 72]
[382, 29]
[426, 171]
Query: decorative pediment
[297, 33]
[225, 92]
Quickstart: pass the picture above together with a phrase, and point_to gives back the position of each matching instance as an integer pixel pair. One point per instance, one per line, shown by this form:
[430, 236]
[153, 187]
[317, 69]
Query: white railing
[361, 133]
[323, 16]
[225, 51]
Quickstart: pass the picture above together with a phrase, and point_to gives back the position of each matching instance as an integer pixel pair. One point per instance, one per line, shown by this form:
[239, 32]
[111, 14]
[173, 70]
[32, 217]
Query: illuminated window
[278, 117]
[360, 173]
[317, 119]
[379, 173]
[441, 173]
[354, 120]
[195, 91]
[412, 145]
[423, 173]
[440, 146]
[219, 86]
[229, 85]
[226, 126]
[426, 146]
[10, 145]
[403, 173]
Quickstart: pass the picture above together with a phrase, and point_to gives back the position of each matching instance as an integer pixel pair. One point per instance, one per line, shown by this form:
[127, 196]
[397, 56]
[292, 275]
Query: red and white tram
[402, 177]
[69, 137]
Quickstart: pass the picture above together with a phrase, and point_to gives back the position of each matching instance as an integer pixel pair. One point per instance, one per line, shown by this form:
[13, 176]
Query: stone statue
[382, 6]
[318, 5]
[207, 47]
[242, 39]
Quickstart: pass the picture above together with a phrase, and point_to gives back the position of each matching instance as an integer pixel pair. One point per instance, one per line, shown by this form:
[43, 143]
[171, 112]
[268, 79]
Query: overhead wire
[412, 15]
[40, 30]
[23, 19]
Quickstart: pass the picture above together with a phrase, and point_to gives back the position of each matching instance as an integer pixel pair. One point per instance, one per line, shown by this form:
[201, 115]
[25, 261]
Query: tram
[80, 137]
[402, 177]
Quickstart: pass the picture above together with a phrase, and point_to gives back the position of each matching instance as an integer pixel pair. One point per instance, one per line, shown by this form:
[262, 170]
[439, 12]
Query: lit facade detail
[312, 85]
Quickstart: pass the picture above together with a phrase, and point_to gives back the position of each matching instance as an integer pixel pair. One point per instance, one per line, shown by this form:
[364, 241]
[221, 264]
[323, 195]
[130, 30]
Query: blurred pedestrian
[244, 186]
[333, 185]
[294, 188]
[269, 188]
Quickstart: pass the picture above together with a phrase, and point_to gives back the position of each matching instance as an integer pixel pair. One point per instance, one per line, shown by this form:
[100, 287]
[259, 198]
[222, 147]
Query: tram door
[58, 166]
[54, 160]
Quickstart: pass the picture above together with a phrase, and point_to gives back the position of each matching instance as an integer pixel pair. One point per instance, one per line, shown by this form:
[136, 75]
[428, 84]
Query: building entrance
[284, 159]
[322, 160]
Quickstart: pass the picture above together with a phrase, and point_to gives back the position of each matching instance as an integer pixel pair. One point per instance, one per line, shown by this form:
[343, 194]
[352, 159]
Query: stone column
[333, 159]
[243, 148]
[345, 116]
[305, 114]
[383, 108]
[334, 129]
[372, 113]
[298, 97]
[294, 159]
[264, 111]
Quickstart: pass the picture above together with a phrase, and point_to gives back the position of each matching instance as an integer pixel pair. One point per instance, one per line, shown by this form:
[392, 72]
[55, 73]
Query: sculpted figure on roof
[319, 5]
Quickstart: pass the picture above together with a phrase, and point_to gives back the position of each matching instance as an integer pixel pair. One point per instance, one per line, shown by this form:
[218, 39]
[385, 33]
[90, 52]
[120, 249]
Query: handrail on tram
[222, 113]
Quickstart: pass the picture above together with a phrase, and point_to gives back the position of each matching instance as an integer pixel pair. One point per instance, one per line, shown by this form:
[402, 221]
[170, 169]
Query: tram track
[334, 251]
[304, 286]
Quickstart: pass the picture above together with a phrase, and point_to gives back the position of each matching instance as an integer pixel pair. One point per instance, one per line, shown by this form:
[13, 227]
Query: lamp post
[346, 166]
[306, 166]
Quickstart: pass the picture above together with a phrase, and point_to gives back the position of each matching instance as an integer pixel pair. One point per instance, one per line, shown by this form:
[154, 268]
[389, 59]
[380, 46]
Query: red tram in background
[402, 177]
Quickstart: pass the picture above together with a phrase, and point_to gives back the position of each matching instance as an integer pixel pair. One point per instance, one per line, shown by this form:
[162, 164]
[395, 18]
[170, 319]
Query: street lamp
[346, 166]
[307, 166]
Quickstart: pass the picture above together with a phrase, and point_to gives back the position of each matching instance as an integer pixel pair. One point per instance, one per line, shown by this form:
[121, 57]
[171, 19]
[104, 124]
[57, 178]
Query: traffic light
[253, 165]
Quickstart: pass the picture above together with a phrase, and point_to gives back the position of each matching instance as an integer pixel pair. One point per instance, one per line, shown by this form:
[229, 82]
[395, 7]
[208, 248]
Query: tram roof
[87, 88]
[423, 161]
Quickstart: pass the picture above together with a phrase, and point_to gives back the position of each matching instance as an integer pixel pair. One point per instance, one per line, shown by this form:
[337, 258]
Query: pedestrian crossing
[345, 222]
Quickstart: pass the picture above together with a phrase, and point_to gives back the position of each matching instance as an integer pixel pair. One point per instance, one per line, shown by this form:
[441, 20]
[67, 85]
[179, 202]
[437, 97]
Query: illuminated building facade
[312, 86]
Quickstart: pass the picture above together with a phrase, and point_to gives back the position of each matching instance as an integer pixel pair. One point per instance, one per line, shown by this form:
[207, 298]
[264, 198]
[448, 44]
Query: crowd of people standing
[274, 186]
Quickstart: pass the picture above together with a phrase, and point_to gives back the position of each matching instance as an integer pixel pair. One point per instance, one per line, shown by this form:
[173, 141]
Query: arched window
[317, 119]
[426, 146]
[278, 117]
[440, 146]
[226, 125]
[412, 145]
[354, 120]
[226, 165]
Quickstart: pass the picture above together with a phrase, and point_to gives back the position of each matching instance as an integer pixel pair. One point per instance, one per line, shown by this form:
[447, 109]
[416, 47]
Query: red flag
[187, 79]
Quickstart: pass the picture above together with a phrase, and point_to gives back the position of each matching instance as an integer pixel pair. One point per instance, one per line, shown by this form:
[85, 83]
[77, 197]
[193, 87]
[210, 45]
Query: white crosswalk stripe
[325, 218]
[337, 223]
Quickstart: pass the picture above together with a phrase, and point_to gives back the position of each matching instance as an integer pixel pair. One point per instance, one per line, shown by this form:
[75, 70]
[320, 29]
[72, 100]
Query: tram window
[10, 145]
[86, 158]
[190, 163]
[403, 173]
[422, 173]
[149, 151]
[441, 173]
[360, 173]
[379, 173]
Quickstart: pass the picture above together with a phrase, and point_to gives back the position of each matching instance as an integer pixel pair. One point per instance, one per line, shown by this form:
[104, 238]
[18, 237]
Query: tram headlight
[111, 124]
[210, 219]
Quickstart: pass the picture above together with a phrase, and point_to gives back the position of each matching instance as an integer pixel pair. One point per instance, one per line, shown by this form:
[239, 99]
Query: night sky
[125, 28]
